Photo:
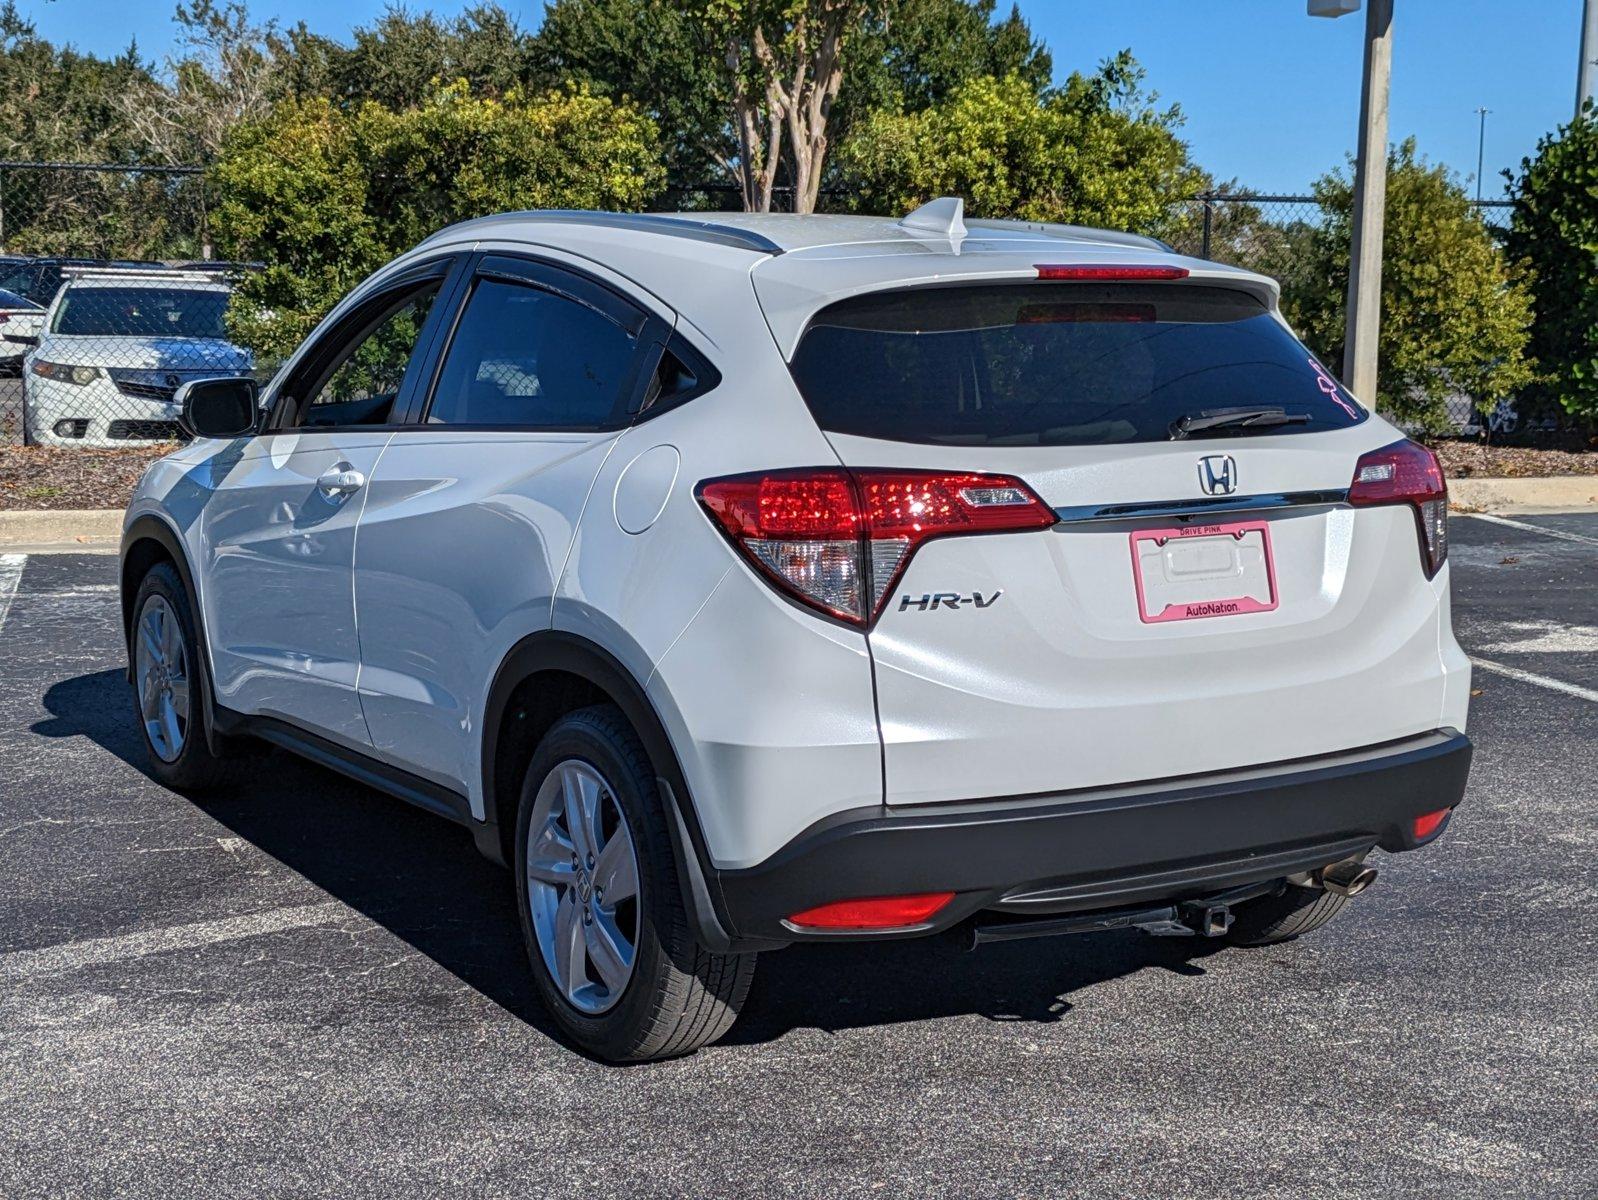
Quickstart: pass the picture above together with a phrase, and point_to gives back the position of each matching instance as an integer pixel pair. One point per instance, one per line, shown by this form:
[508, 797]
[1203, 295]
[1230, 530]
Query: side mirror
[218, 408]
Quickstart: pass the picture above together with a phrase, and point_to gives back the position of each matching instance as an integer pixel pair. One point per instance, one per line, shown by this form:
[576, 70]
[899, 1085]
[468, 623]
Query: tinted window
[17, 279]
[142, 312]
[529, 357]
[362, 386]
[38, 282]
[1055, 364]
[13, 301]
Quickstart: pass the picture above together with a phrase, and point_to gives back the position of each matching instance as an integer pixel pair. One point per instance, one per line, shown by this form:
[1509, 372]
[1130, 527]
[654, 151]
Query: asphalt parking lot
[303, 988]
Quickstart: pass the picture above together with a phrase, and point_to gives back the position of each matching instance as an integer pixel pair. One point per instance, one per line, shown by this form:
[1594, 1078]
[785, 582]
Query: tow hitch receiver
[1207, 917]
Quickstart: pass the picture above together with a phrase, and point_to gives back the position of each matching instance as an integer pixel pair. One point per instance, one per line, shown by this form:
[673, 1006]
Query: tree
[785, 66]
[227, 71]
[59, 105]
[1554, 229]
[672, 56]
[1094, 151]
[913, 54]
[401, 59]
[656, 55]
[323, 195]
[1455, 319]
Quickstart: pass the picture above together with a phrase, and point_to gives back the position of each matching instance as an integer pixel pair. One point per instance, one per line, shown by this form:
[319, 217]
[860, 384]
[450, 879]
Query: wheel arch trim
[151, 528]
[559, 650]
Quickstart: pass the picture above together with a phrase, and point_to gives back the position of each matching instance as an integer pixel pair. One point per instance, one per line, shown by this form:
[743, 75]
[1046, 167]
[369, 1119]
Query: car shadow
[420, 878]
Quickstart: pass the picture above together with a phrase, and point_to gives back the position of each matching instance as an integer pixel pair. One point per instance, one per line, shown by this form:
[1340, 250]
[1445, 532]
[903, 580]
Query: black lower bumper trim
[1106, 848]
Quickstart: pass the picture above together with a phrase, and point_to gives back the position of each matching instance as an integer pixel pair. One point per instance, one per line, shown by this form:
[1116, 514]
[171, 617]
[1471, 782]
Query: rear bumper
[1104, 848]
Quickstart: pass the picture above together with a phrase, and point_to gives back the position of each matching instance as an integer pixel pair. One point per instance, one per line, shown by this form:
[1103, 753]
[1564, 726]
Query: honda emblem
[1217, 474]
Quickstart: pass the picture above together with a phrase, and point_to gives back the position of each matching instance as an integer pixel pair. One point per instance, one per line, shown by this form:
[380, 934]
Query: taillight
[879, 912]
[1107, 272]
[1408, 473]
[838, 539]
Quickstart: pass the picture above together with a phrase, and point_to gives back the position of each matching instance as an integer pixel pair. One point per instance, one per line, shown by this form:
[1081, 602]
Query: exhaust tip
[1347, 878]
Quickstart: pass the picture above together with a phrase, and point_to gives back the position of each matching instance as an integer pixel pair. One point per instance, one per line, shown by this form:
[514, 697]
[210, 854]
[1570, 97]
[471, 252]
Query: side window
[681, 374]
[530, 357]
[361, 383]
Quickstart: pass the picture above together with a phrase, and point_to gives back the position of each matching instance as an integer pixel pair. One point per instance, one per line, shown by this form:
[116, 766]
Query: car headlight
[62, 373]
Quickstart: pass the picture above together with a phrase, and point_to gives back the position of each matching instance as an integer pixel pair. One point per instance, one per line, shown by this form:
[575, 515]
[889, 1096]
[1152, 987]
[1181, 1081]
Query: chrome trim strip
[1189, 509]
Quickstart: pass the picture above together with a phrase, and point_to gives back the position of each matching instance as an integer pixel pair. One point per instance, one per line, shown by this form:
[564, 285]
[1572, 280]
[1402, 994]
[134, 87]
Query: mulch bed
[41, 477]
[1461, 459]
[35, 477]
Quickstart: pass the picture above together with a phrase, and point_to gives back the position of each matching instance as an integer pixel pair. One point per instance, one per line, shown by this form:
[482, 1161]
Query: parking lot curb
[1548, 493]
[64, 529]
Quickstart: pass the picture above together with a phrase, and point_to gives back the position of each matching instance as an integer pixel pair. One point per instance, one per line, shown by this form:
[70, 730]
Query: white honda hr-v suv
[749, 580]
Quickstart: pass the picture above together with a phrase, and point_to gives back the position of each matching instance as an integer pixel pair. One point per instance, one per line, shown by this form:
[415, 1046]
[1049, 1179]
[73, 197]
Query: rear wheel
[168, 679]
[1283, 917]
[602, 912]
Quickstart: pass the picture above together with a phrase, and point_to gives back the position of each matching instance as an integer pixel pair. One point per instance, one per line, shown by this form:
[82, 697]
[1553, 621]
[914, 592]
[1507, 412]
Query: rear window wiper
[1234, 420]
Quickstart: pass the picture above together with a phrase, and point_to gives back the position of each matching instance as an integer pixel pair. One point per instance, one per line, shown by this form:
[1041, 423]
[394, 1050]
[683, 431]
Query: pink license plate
[1199, 571]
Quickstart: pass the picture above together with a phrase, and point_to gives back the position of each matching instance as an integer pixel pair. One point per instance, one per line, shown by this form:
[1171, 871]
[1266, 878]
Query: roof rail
[685, 225]
[141, 273]
[1077, 233]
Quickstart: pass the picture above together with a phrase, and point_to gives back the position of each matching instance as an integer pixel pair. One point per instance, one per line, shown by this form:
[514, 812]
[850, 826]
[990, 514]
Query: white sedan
[115, 347]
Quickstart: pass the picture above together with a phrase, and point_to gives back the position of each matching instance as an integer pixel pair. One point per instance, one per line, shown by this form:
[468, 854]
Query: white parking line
[1544, 637]
[71, 956]
[10, 575]
[1561, 534]
[1553, 685]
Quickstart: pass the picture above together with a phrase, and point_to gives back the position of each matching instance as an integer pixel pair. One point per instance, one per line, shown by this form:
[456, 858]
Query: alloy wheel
[160, 666]
[582, 886]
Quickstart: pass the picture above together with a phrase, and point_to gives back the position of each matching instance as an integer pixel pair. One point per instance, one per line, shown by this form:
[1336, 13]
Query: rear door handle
[343, 480]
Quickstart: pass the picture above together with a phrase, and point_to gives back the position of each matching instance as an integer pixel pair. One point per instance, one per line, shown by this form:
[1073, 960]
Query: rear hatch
[1207, 600]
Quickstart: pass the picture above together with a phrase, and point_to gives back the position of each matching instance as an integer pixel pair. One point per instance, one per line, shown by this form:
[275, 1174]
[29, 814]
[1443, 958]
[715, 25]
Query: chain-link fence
[1266, 232]
[109, 300]
[1270, 234]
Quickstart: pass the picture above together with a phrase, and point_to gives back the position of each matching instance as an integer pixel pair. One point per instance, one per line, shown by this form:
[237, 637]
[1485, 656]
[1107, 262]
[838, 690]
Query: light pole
[1370, 194]
[1481, 148]
[1589, 53]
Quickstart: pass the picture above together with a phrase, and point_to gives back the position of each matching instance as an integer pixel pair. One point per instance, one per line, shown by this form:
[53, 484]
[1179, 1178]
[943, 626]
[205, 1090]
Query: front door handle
[343, 480]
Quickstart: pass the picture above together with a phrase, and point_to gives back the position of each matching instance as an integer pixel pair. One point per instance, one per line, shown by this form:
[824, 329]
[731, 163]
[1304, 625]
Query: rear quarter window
[1053, 364]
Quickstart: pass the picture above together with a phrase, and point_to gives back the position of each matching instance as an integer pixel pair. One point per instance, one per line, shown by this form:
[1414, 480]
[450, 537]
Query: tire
[1283, 917]
[192, 767]
[27, 432]
[676, 996]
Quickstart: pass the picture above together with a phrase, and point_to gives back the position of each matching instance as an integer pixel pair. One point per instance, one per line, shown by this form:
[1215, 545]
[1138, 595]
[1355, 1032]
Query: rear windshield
[142, 312]
[1056, 364]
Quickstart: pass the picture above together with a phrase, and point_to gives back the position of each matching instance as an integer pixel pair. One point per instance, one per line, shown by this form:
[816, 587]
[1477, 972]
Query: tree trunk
[800, 79]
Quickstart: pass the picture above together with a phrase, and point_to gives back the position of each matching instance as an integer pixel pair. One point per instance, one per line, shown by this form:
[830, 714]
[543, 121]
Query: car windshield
[12, 300]
[142, 312]
[1057, 364]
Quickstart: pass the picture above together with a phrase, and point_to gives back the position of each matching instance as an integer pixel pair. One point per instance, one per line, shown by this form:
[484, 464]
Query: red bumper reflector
[1426, 824]
[881, 912]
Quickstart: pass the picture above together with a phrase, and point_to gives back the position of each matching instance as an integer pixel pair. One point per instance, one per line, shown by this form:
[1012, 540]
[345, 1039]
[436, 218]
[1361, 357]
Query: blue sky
[1271, 95]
